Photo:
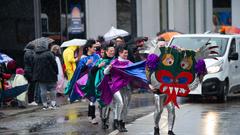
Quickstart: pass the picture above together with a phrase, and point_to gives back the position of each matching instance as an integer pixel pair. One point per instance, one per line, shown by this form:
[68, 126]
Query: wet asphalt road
[70, 119]
[195, 117]
[208, 117]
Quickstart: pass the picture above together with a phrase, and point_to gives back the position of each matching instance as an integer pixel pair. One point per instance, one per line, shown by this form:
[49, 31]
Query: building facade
[25, 20]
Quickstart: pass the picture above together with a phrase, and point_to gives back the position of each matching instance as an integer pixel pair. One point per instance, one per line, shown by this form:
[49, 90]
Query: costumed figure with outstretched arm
[80, 76]
[115, 85]
[95, 76]
[121, 96]
[177, 71]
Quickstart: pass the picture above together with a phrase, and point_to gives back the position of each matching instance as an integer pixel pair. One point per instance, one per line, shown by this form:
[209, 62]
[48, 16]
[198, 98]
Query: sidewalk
[12, 111]
[7, 112]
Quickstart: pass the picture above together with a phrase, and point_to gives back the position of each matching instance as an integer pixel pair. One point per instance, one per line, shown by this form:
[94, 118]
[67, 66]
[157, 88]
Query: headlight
[217, 67]
[214, 69]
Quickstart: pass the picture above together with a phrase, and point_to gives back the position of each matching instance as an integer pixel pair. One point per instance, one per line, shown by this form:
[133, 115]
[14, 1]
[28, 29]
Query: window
[232, 47]
[126, 16]
[222, 13]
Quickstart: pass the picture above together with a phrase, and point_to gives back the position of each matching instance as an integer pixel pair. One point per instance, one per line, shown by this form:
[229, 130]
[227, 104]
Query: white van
[223, 78]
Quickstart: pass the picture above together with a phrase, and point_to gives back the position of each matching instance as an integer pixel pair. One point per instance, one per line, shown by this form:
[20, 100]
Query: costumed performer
[95, 77]
[175, 74]
[80, 77]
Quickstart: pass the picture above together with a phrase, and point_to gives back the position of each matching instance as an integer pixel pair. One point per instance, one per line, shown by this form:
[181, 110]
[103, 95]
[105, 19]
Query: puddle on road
[141, 102]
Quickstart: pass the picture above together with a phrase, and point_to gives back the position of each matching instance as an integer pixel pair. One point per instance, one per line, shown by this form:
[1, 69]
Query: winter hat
[11, 65]
[19, 71]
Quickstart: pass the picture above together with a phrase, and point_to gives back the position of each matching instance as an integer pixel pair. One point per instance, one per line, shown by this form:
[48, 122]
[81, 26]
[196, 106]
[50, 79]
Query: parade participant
[87, 61]
[171, 62]
[121, 97]
[95, 77]
[119, 41]
[70, 60]
[115, 85]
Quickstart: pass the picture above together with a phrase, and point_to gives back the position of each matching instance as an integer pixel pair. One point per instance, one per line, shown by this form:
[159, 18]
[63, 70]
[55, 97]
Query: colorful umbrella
[229, 30]
[168, 35]
[4, 58]
[12, 92]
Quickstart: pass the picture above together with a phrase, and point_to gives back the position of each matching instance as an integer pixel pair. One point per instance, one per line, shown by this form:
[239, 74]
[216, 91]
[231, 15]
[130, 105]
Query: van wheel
[222, 98]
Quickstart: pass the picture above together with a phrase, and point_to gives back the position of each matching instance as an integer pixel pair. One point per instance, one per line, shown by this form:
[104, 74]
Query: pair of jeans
[51, 87]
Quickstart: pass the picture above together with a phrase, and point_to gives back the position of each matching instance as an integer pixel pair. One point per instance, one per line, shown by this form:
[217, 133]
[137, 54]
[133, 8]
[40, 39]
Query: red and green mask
[175, 71]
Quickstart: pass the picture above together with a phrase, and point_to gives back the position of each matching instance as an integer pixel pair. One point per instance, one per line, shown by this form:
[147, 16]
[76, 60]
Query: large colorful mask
[175, 70]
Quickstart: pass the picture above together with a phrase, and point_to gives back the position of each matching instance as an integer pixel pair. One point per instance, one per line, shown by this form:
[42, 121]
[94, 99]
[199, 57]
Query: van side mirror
[233, 56]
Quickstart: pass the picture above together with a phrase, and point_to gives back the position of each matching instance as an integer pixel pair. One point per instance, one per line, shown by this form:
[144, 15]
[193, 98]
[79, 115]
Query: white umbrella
[113, 33]
[4, 58]
[74, 42]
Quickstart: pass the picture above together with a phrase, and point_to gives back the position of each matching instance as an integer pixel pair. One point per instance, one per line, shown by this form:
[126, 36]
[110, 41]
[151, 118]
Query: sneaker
[45, 108]
[90, 119]
[33, 103]
[94, 121]
[53, 107]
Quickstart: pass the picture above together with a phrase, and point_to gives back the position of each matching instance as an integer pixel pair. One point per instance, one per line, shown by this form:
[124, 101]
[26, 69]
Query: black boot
[115, 124]
[91, 111]
[156, 131]
[170, 132]
[104, 124]
[120, 127]
[123, 127]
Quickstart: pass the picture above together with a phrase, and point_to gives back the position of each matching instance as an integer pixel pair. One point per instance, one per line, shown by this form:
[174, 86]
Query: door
[238, 62]
[233, 65]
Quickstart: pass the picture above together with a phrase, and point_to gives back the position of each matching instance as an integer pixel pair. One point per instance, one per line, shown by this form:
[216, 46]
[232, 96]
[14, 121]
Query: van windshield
[194, 43]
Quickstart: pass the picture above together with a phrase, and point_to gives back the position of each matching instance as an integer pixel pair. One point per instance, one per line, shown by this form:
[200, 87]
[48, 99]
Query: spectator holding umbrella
[45, 73]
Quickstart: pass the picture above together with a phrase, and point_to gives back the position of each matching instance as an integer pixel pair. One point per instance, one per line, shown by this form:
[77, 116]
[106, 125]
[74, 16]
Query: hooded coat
[45, 67]
[69, 60]
[28, 61]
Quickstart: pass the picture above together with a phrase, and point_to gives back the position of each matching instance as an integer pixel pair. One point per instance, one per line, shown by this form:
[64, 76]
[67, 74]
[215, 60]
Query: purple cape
[122, 74]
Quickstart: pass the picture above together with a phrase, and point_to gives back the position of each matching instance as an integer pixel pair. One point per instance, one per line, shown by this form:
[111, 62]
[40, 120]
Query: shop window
[222, 13]
[63, 19]
[126, 16]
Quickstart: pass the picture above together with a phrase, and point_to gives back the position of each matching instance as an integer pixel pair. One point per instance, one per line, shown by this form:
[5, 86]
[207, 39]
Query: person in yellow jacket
[70, 61]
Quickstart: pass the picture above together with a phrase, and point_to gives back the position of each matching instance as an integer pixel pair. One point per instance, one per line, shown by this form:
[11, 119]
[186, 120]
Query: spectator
[19, 80]
[61, 79]
[134, 54]
[29, 54]
[45, 73]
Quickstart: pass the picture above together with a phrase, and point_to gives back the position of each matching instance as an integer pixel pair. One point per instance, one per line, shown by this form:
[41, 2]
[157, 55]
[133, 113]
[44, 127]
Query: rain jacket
[28, 61]
[18, 81]
[45, 67]
[69, 60]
